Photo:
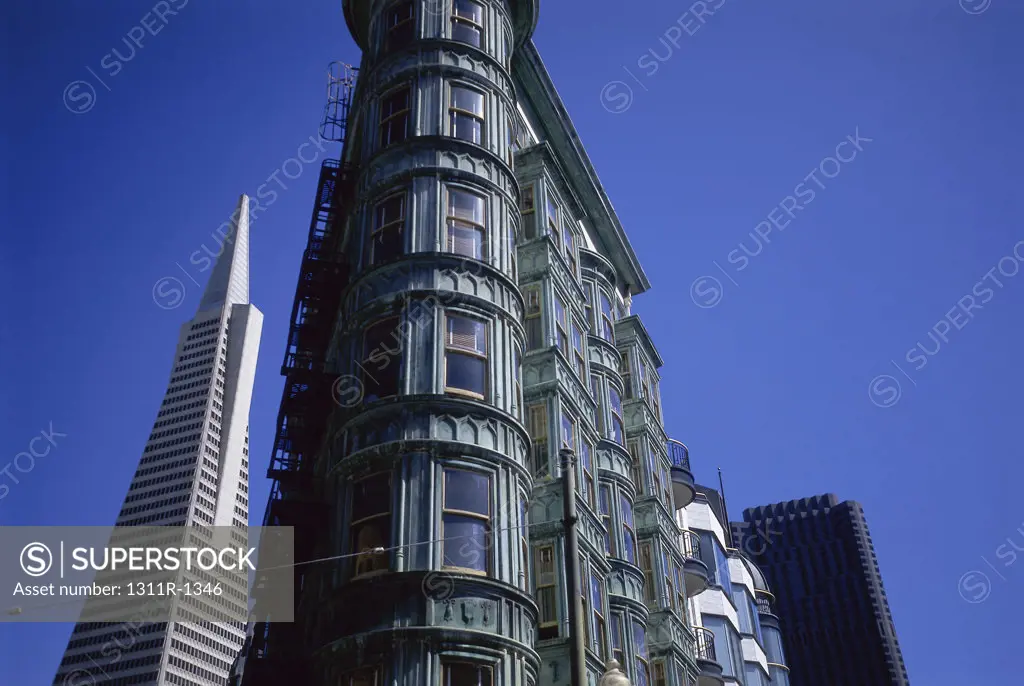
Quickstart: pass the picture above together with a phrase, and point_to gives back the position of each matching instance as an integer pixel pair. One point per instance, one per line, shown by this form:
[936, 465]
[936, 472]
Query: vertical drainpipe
[577, 656]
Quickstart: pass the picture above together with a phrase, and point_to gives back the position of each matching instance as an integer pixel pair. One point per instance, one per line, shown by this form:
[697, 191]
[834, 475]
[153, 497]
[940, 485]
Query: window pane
[466, 205]
[616, 401]
[559, 312]
[382, 353]
[466, 240]
[401, 25]
[466, 542]
[373, 533]
[640, 638]
[466, 674]
[395, 103]
[468, 9]
[464, 33]
[466, 333]
[387, 244]
[466, 372]
[567, 432]
[391, 210]
[595, 594]
[467, 128]
[466, 491]
[371, 496]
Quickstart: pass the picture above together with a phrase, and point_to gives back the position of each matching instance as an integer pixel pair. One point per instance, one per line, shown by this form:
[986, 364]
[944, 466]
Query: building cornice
[531, 76]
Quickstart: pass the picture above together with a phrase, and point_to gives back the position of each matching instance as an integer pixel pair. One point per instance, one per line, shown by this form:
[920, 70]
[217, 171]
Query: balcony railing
[690, 544]
[705, 644]
[678, 455]
[764, 603]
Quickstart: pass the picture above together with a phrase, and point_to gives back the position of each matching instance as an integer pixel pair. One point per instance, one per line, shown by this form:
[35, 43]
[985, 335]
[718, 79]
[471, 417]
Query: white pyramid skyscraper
[194, 470]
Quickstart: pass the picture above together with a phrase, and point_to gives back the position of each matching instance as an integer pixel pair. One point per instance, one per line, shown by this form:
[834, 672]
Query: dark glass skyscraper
[818, 557]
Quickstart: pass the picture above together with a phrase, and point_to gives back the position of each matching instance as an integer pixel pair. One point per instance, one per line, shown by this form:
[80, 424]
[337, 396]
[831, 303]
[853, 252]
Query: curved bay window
[386, 241]
[579, 359]
[618, 652]
[587, 465]
[467, 224]
[399, 25]
[466, 114]
[618, 432]
[607, 318]
[628, 531]
[466, 521]
[382, 359]
[643, 669]
[597, 606]
[468, 22]
[465, 356]
[370, 528]
[394, 116]
[458, 673]
[605, 509]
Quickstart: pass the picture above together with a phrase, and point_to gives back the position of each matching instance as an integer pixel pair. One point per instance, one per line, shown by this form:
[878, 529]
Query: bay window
[579, 361]
[666, 572]
[544, 572]
[626, 372]
[517, 381]
[370, 528]
[647, 565]
[394, 116]
[561, 326]
[569, 240]
[618, 651]
[400, 25]
[597, 606]
[568, 432]
[553, 218]
[587, 464]
[628, 532]
[534, 324]
[468, 22]
[465, 355]
[618, 432]
[607, 318]
[467, 224]
[466, 521]
[654, 467]
[643, 674]
[458, 673]
[386, 239]
[605, 509]
[466, 114]
[537, 426]
[382, 357]
[660, 675]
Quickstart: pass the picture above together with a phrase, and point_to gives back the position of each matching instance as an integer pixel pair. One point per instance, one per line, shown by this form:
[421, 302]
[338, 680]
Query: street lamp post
[613, 676]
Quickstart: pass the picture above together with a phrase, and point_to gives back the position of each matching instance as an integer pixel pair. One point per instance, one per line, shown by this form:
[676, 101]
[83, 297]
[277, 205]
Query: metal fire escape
[273, 653]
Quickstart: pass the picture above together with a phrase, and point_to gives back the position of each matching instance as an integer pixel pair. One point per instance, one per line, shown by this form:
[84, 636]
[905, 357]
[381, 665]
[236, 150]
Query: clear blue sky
[771, 384]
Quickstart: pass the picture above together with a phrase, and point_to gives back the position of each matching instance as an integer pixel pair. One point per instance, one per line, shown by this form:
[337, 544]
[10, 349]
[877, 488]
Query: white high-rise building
[194, 471]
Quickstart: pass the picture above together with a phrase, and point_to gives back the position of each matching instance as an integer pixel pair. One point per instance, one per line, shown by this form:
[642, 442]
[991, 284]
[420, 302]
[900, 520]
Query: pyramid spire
[229, 282]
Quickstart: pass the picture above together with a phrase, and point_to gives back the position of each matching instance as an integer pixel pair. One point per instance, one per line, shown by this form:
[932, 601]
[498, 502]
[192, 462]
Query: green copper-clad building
[462, 317]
